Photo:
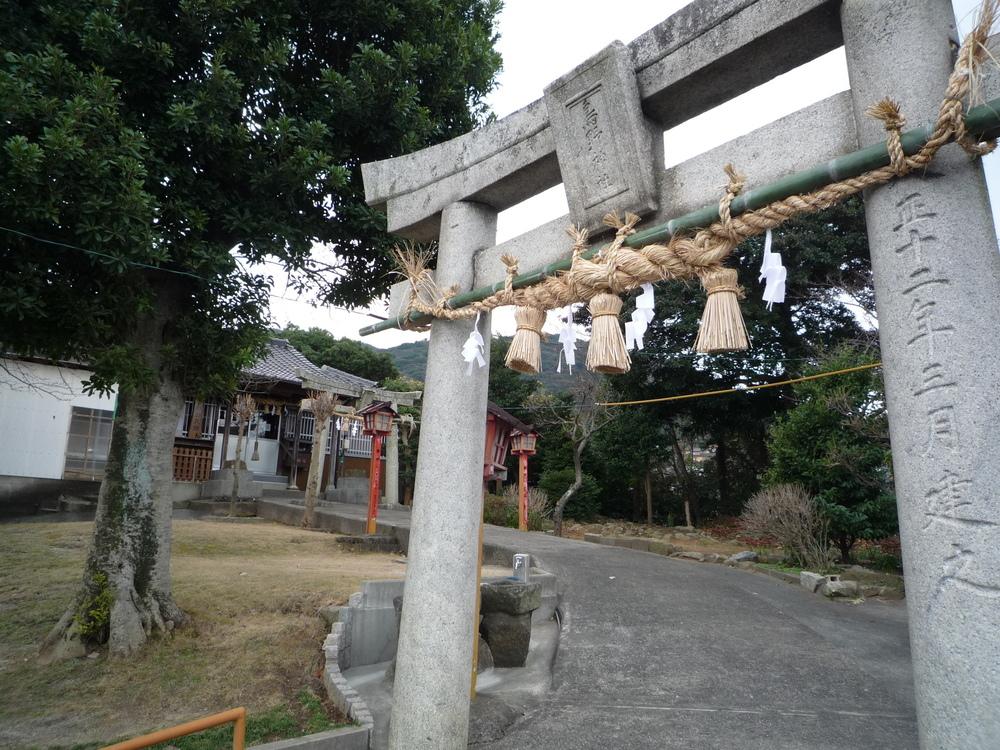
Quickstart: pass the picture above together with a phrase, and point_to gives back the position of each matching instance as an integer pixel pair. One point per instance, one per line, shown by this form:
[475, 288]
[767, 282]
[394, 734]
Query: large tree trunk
[649, 496]
[681, 471]
[234, 495]
[722, 472]
[126, 585]
[315, 469]
[557, 513]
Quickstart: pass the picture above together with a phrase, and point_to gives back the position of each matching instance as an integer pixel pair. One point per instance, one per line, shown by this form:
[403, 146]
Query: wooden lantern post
[378, 418]
[522, 446]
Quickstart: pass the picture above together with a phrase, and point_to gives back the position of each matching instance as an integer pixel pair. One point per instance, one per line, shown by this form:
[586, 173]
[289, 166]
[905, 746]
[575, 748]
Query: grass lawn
[252, 589]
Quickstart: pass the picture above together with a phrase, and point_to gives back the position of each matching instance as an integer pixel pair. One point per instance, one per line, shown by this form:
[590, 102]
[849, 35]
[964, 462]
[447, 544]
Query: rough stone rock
[745, 556]
[510, 598]
[373, 543]
[691, 555]
[662, 548]
[811, 581]
[836, 588]
[508, 637]
[744, 565]
[330, 613]
[485, 659]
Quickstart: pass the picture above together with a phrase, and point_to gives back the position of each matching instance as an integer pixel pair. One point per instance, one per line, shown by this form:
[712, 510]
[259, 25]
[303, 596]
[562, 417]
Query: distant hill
[411, 359]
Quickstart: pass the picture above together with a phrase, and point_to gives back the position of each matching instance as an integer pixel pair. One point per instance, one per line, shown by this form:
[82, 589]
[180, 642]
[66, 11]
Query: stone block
[691, 555]
[508, 636]
[603, 142]
[485, 656]
[548, 582]
[373, 635]
[373, 543]
[345, 738]
[746, 556]
[596, 539]
[811, 581]
[834, 587]
[546, 610]
[510, 598]
[381, 593]
[662, 548]
[632, 542]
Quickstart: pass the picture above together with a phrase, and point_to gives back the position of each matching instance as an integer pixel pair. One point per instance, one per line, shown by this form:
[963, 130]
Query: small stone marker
[603, 143]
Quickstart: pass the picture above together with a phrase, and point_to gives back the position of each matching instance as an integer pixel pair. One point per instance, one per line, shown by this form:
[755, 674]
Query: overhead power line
[162, 269]
[741, 389]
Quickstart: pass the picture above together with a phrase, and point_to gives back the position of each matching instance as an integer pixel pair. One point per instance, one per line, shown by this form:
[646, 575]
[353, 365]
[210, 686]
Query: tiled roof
[283, 363]
[332, 373]
[505, 416]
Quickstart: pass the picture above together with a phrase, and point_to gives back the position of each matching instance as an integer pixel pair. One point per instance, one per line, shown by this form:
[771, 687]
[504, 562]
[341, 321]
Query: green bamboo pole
[982, 121]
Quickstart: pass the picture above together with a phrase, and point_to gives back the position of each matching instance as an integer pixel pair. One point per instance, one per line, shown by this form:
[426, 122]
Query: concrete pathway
[664, 653]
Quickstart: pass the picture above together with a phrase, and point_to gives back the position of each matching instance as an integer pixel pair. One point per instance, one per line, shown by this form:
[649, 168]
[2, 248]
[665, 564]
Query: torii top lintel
[597, 128]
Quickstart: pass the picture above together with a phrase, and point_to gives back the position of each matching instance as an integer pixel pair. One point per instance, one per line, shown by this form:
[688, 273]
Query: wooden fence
[192, 464]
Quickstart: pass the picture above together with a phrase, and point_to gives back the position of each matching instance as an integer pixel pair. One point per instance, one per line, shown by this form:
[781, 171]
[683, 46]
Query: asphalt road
[664, 653]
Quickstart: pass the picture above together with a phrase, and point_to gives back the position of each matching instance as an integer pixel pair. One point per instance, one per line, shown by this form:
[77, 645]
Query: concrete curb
[344, 697]
[345, 738]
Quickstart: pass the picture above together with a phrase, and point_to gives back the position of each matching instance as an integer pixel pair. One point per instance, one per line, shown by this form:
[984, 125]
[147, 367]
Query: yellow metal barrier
[238, 716]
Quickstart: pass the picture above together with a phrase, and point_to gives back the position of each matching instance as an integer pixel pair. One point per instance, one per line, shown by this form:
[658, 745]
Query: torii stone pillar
[391, 493]
[937, 282]
[430, 706]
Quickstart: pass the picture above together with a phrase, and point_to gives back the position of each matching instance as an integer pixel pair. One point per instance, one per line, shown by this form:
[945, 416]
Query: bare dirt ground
[252, 589]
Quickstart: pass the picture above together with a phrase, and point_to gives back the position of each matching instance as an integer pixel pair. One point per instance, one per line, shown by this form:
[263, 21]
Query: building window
[88, 443]
[210, 414]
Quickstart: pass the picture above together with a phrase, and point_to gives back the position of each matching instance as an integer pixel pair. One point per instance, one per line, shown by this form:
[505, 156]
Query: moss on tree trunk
[126, 593]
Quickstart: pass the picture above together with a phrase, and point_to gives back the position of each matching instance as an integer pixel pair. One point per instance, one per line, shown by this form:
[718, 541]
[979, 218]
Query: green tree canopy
[829, 272]
[835, 443]
[322, 348]
[508, 388]
[149, 150]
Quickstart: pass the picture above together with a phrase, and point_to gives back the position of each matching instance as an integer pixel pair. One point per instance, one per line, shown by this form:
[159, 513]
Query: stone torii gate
[937, 280]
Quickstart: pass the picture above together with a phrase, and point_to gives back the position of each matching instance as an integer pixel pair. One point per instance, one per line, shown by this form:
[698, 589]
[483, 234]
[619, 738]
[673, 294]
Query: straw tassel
[607, 353]
[722, 328]
[525, 353]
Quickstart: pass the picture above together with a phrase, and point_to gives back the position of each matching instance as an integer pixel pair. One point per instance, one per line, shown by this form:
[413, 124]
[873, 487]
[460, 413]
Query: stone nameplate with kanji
[603, 142]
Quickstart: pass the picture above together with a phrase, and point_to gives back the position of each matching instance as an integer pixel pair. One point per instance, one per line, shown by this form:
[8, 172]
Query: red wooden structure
[522, 446]
[378, 417]
[504, 432]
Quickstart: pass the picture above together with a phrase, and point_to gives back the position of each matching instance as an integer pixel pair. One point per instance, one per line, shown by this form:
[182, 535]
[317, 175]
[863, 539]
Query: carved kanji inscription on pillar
[603, 143]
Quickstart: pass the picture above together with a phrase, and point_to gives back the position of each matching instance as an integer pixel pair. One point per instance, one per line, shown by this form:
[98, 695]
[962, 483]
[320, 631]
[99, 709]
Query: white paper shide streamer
[642, 316]
[773, 274]
[567, 337]
[472, 349]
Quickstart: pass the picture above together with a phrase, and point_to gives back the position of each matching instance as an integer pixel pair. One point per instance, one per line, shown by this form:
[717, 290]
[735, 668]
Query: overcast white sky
[539, 42]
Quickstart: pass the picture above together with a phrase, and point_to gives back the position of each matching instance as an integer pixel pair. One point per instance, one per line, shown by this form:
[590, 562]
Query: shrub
[791, 516]
[501, 510]
[584, 505]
